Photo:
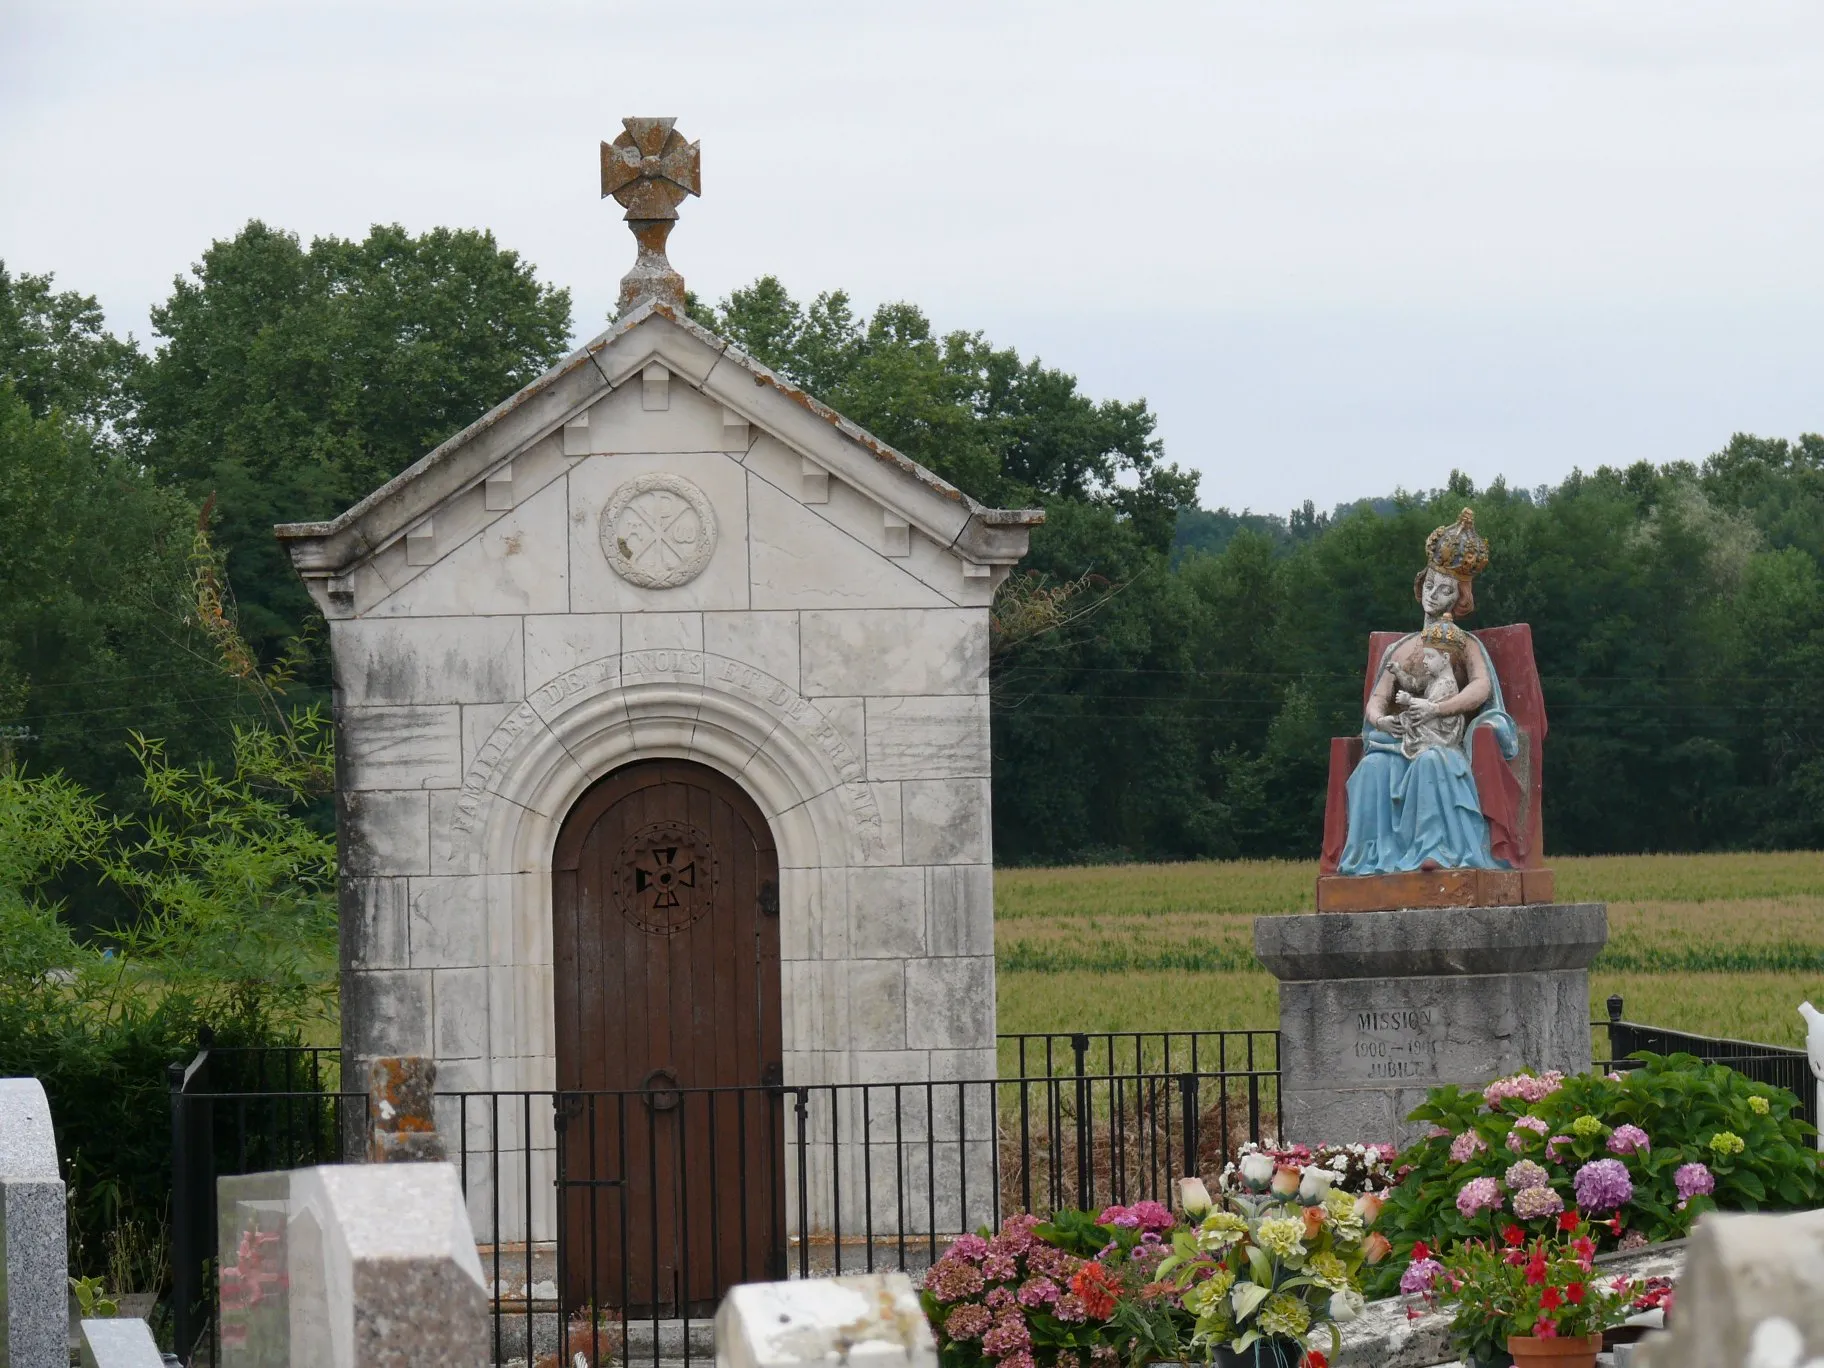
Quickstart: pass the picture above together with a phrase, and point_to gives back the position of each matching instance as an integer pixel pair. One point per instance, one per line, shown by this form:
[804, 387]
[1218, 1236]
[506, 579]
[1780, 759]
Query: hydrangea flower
[1527, 1087]
[1758, 1105]
[1465, 1145]
[1534, 1202]
[1727, 1142]
[1420, 1274]
[1629, 1140]
[1009, 1334]
[1038, 1292]
[1526, 1174]
[1603, 1185]
[968, 1321]
[1524, 1129]
[1478, 1194]
[1556, 1146]
[1693, 1180]
[1587, 1127]
[951, 1279]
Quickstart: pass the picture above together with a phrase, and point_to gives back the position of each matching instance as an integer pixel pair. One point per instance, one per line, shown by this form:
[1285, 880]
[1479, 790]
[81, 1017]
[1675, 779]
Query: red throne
[1510, 792]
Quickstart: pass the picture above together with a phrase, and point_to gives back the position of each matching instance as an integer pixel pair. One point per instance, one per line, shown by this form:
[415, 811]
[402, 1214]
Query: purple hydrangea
[1526, 1174]
[1629, 1140]
[1533, 1202]
[1420, 1274]
[1603, 1185]
[1693, 1180]
[1478, 1194]
[1009, 1334]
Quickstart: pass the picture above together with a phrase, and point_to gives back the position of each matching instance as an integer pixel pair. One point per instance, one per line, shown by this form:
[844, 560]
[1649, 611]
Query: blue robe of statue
[1403, 813]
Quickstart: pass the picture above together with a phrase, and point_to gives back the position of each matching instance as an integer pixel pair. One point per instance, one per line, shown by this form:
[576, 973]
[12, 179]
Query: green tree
[57, 354]
[293, 381]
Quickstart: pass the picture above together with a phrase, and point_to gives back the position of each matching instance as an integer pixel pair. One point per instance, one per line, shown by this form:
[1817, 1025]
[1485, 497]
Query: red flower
[1535, 1268]
[1614, 1223]
[1514, 1257]
[1551, 1299]
[1420, 1250]
[1513, 1235]
[1567, 1220]
[1091, 1284]
[1543, 1328]
[1586, 1252]
[1313, 1359]
[1575, 1293]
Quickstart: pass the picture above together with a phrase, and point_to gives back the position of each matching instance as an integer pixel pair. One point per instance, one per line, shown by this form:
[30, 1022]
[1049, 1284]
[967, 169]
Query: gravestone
[1436, 954]
[340, 1266]
[870, 1320]
[1752, 1284]
[34, 1286]
[124, 1342]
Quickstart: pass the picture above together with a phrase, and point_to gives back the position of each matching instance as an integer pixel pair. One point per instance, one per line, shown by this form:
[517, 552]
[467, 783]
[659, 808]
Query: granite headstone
[34, 1284]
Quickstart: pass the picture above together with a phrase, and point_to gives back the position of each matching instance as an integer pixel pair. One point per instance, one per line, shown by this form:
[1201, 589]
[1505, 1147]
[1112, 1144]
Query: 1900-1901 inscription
[1395, 1043]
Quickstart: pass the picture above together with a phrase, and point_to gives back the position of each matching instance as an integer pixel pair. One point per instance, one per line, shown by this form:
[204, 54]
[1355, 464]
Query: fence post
[1187, 1088]
[192, 1199]
[1079, 1044]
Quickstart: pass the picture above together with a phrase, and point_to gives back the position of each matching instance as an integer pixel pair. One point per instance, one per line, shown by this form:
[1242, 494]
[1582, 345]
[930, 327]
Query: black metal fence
[1771, 1064]
[611, 1221]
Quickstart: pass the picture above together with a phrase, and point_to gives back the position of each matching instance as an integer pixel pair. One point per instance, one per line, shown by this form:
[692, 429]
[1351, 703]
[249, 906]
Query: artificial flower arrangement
[1534, 1297]
[1641, 1153]
[1349, 1168]
[1271, 1264]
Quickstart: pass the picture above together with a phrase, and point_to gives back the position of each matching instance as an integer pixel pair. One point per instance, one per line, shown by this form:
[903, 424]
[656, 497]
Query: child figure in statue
[1434, 679]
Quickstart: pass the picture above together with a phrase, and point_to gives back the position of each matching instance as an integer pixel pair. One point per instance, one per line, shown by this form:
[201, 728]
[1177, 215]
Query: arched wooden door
[670, 1152]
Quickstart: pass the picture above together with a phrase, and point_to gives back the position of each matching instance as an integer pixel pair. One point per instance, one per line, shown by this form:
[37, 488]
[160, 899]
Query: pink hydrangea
[1478, 1194]
[1466, 1145]
[1008, 1336]
[950, 1279]
[1419, 1276]
[1628, 1139]
[970, 1247]
[999, 1298]
[1019, 1358]
[1038, 1292]
[1524, 1129]
[1527, 1087]
[968, 1321]
[1145, 1215]
[1556, 1146]
[1070, 1309]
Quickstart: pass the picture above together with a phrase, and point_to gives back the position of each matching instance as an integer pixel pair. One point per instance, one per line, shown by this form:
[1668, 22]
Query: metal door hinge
[769, 899]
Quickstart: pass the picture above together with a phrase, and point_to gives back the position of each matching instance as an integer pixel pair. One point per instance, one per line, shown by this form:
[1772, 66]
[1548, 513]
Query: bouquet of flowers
[1347, 1168]
[1508, 1293]
[1273, 1261]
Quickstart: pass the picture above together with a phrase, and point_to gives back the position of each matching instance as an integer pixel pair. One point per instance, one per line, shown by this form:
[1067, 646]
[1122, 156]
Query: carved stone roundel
[665, 877]
[658, 531]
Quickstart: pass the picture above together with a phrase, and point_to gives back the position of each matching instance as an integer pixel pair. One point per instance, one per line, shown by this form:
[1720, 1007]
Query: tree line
[1166, 677]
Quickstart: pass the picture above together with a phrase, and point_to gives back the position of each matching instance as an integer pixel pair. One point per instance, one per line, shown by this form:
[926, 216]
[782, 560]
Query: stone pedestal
[1375, 1008]
[34, 1293]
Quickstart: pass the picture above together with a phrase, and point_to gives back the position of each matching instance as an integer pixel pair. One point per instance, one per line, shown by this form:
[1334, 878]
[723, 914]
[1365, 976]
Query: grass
[1714, 944]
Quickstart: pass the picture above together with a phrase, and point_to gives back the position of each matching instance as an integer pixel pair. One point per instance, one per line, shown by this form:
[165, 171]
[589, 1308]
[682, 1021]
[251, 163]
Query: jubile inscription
[1393, 1043]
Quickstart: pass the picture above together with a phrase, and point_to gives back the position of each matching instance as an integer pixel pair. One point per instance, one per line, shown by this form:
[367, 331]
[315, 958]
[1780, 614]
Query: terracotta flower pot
[1559, 1352]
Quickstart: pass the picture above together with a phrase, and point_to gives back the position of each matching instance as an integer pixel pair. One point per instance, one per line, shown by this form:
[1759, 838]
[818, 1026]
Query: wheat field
[1716, 944]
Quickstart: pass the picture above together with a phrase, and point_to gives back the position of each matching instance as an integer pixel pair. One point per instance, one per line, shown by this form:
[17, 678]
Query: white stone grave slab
[34, 1284]
[350, 1266]
[124, 1342]
[1752, 1293]
[864, 1321]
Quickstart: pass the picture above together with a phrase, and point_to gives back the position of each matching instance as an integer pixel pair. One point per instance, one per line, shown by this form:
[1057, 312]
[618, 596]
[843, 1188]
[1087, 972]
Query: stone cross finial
[649, 169]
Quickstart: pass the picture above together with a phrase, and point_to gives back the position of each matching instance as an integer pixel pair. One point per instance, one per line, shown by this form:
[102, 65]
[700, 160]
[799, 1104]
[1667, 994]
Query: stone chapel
[661, 695]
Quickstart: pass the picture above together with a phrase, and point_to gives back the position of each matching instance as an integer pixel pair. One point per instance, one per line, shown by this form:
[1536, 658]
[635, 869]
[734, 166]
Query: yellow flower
[1284, 1316]
[1282, 1237]
[1221, 1229]
[1727, 1142]
[1758, 1105]
[1327, 1270]
[1206, 1294]
[1345, 1214]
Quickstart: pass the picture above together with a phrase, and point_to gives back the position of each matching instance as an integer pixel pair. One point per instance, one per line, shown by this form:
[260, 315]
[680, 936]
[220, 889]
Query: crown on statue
[1457, 549]
[1444, 635]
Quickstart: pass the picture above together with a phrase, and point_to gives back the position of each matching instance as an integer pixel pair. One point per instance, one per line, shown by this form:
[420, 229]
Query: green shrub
[1755, 1153]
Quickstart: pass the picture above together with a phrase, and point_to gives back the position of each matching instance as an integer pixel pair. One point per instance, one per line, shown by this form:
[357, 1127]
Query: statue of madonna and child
[1443, 776]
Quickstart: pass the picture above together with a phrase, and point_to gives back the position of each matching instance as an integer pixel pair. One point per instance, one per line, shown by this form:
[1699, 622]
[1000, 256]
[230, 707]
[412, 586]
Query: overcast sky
[1337, 246]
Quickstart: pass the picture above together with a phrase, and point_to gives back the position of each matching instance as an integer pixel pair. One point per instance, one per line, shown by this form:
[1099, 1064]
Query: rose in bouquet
[1274, 1258]
[1508, 1292]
